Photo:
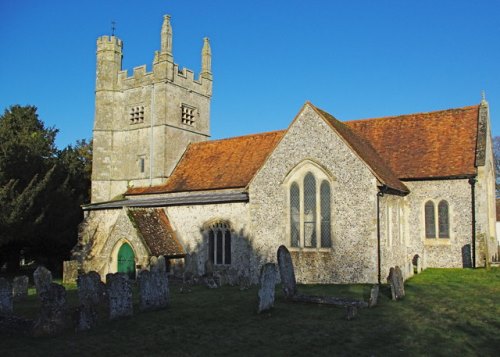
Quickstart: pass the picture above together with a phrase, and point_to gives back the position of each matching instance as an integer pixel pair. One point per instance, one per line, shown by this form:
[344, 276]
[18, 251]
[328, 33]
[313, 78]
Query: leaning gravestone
[287, 272]
[90, 294]
[6, 306]
[43, 278]
[51, 319]
[373, 296]
[119, 291]
[20, 287]
[395, 279]
[267, 282]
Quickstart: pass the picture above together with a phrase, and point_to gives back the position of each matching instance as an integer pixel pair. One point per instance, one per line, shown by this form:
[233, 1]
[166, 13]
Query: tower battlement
[105, 40]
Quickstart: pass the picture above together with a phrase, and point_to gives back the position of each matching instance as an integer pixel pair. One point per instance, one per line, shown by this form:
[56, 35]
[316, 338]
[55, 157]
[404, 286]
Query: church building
[349, 199]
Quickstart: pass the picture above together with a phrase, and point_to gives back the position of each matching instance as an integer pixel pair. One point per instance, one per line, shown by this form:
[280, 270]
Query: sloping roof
[218, 164]
[425, 145]
[366, 152]
[157, 232]
[498, 211]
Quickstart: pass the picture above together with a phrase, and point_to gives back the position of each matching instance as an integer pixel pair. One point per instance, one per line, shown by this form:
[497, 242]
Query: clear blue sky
[354, 59]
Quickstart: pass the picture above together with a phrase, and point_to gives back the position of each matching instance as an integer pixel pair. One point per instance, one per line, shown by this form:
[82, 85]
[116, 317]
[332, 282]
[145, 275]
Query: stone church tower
[144, 122]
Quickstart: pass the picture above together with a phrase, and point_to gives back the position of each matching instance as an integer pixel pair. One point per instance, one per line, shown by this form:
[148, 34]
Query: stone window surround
[297, 175]
[188, 114]
[214, 227]
[437, 240]
[137, 114]
[141, 165]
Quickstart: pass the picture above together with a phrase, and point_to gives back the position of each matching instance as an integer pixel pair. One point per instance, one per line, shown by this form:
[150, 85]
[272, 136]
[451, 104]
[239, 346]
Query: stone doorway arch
[126, 260]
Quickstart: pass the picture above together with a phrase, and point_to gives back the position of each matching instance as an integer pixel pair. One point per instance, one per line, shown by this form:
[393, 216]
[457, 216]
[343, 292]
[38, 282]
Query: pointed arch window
[219, 244]
[310, 212]
[441, 228]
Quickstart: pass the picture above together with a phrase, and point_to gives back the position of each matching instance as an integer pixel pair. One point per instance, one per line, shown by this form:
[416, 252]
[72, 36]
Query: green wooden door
[126, 260]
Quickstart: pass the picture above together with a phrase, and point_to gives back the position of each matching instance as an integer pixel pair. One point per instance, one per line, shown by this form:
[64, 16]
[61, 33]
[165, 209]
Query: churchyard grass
[448, 312]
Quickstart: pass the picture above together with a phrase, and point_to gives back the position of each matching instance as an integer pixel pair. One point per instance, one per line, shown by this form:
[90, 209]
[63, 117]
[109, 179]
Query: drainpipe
[472, 182]
[383, 189]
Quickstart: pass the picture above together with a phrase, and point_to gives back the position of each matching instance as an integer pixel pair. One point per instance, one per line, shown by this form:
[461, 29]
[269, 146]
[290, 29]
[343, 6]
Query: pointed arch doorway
[126, 260]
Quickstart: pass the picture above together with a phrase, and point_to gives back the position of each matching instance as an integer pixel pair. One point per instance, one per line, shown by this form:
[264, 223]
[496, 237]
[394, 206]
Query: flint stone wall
[353, 194]
[440, 252]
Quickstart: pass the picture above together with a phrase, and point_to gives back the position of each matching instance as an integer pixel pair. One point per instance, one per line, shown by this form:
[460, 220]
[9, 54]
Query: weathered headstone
[20, 287]
[351, 312]
[244, 282]
[6, 306]
[119, 291]
[70, 271]
[51, 319]
[153, 288]
[287, 272]
[90, 294]
[418, 262]
[373, 296]
[42, 278]
[267, 280]
[395, 279]
[209, 268]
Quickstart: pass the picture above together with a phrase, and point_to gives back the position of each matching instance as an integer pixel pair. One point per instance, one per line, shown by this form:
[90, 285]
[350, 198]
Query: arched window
[310, 211]
[219, 243]
[443, 219]
[442, 228]
[294, 215]
[326, 239]
[430, 220]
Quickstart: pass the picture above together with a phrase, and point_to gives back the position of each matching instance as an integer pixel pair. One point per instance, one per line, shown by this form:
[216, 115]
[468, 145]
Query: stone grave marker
[287, 272]
[52, 317]
[373, 296]
[267, 281]
[20, 287]
[351, 312]
[42, 278]
[6, 306]
[119, 291]
[90, 294]
[395, 279]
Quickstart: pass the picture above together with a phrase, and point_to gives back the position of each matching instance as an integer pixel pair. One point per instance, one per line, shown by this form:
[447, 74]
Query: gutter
[472, 182]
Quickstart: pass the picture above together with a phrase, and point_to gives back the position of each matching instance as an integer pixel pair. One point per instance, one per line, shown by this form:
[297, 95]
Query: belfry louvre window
[188, 114]
[310, 213]
[219, 244]
[442, 228]
[136, 115]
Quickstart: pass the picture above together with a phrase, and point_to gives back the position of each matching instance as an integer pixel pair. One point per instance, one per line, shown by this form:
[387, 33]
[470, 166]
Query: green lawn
[447, 312]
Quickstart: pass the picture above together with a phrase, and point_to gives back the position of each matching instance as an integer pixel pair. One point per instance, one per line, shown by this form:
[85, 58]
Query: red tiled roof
[366, 152]
[498, 211]
[425, 145]
[218, 164]
[157, 232]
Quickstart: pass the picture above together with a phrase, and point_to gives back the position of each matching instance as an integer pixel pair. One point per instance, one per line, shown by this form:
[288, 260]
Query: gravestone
[351, 312]
[51, 319]
[90, 294]
[287, 272]
[42, 278]
[70, 271]
[6, 306]
[153, 289]
[209, 268]
[119, 292]
[418, 263]
[20, 287]
[373, 296]
[395, 279]
[267, 280]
